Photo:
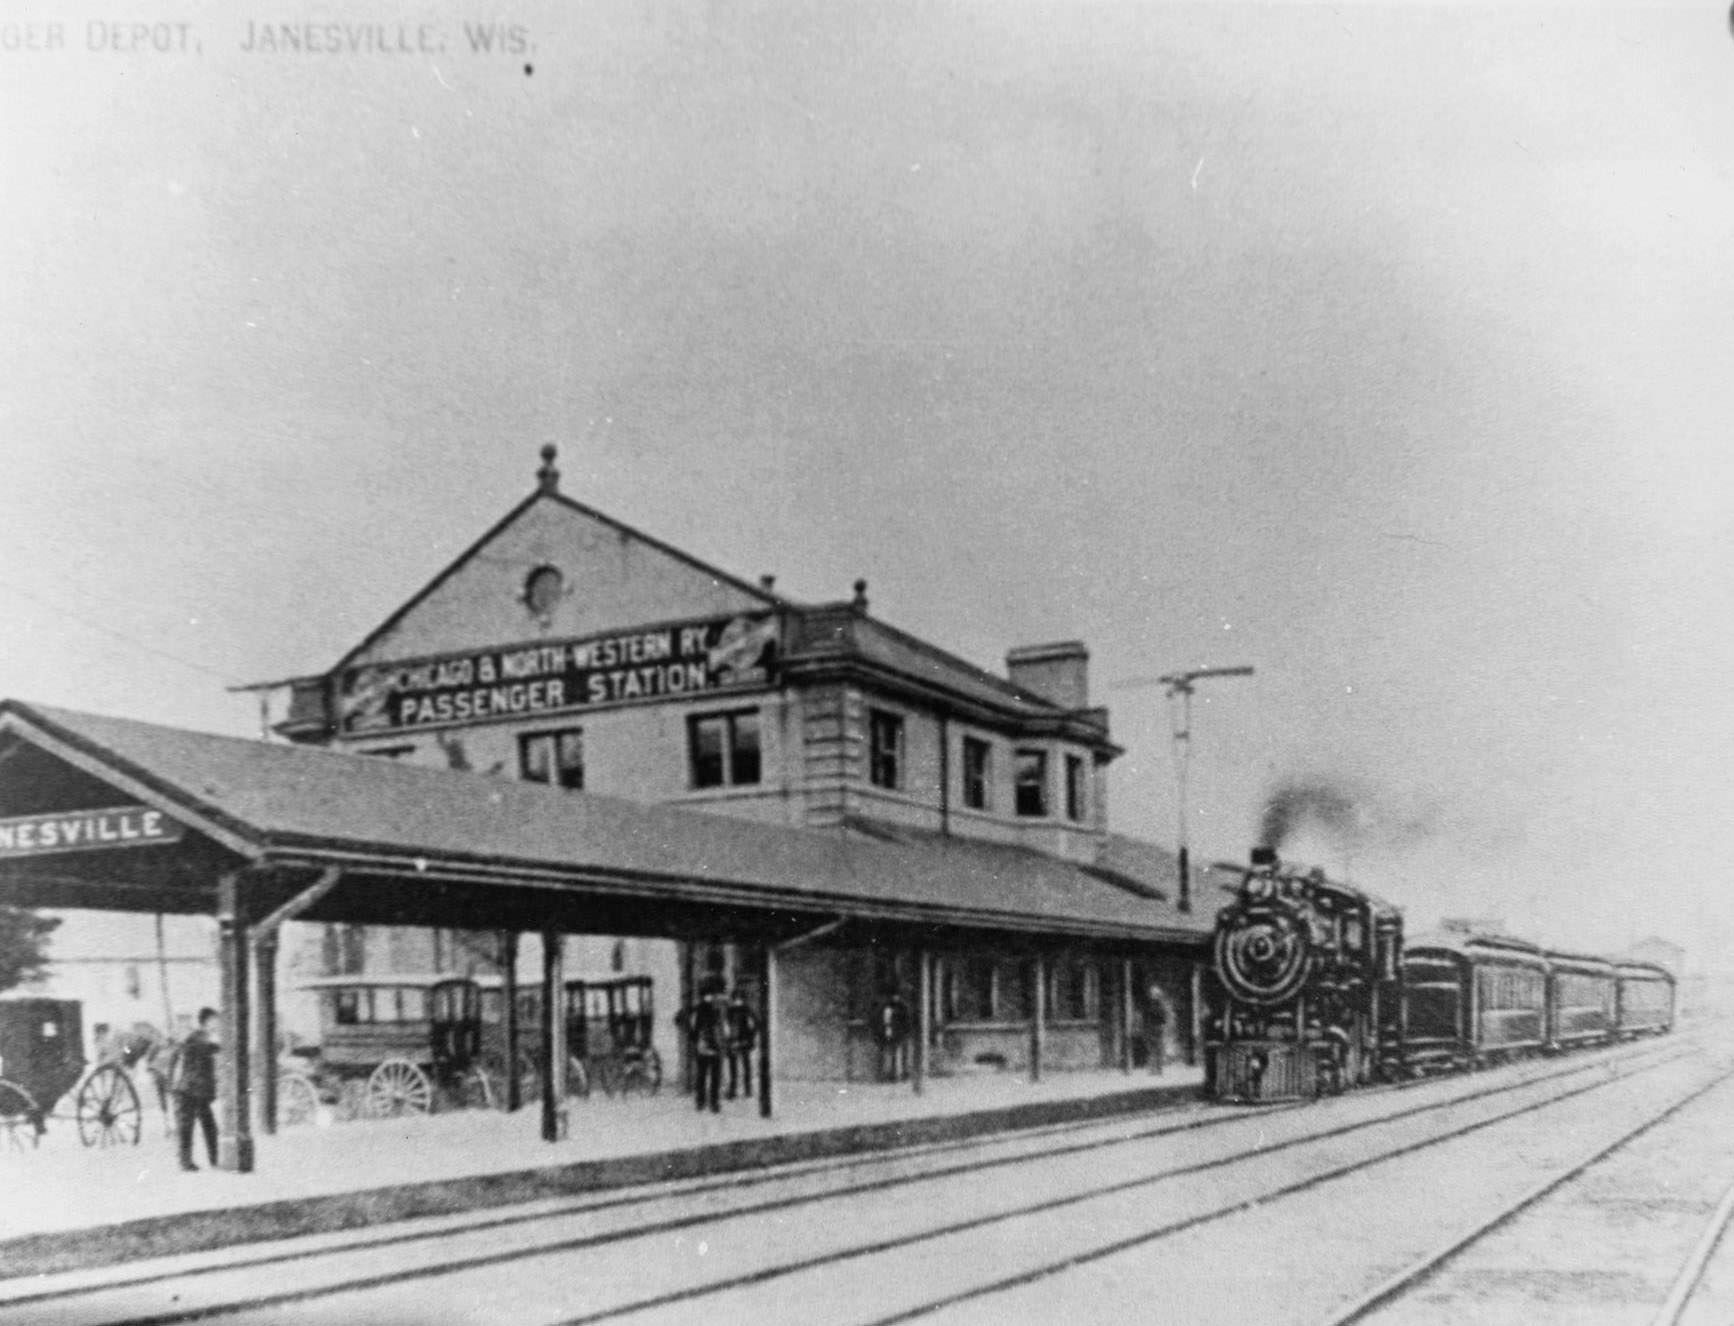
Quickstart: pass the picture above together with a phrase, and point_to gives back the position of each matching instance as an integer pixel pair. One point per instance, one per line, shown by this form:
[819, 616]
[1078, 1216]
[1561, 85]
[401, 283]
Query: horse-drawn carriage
[610, 1024]
[42, 1061]
[411, 1044]
[390, 1045]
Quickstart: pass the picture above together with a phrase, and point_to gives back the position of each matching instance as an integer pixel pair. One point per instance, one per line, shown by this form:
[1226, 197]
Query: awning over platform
[483, 850]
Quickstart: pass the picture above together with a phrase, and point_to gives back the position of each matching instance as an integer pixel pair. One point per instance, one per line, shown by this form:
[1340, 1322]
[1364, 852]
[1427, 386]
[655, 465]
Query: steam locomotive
[1314, 992]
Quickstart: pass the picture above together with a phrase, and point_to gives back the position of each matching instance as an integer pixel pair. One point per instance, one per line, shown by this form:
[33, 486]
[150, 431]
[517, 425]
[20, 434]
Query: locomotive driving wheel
[397, 1087]
[108, 1109]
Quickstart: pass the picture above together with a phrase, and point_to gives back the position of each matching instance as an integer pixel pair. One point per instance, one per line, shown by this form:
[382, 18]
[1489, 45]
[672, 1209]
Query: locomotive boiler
[1305, 997]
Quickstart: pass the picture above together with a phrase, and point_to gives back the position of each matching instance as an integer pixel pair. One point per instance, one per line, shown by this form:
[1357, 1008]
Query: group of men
[720, 1030]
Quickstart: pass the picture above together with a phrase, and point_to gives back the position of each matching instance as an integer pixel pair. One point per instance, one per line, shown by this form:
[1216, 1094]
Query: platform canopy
[110, 813]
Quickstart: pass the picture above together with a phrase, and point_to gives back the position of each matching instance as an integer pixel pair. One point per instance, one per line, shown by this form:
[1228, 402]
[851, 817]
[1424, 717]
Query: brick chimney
[1059, 673]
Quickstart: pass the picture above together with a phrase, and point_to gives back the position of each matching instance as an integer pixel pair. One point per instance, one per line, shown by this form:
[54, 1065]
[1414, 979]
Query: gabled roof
[284, 802]
[544, 494]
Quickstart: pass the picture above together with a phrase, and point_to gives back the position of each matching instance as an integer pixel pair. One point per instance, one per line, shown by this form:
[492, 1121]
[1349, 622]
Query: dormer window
[1032, 783]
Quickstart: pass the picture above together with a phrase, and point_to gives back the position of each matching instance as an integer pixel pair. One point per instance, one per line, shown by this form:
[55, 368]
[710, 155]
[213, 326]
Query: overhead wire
[227, 679]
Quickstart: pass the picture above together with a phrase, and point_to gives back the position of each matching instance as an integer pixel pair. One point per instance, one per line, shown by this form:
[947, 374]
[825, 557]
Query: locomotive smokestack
[1263, 856]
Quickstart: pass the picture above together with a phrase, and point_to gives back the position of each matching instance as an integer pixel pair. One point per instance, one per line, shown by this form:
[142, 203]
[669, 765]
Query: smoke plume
[1344, 812]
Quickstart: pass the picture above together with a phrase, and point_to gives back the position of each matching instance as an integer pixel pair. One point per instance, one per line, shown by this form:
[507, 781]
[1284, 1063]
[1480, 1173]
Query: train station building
[648, 766]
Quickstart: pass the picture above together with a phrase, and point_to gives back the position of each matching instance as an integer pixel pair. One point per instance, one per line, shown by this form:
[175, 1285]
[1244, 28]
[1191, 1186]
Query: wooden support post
[509, 988]
[234, 1125]
[1038, 1016]
[1125, 1015]
[1195, 1019]
[768, 1028]
[923, 1019]
[553, 1037]
[265, 1029]
[688, 1008]
[262, 934]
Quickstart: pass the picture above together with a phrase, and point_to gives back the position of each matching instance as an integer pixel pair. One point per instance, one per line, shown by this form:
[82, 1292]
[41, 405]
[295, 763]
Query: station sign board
[511, 682]
[87, 831]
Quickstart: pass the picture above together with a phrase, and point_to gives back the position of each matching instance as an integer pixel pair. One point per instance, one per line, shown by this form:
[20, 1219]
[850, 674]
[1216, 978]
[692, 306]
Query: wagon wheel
[608, 1074]
[108, 1109]
[352, 1100]
[397, 1087]
[481, 1088]
[297, 1100]
[493, 1065]
[20, 1118]
[577, 1076]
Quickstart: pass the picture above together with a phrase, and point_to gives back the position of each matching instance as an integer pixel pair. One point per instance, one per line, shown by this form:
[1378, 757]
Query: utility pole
[1179, 685]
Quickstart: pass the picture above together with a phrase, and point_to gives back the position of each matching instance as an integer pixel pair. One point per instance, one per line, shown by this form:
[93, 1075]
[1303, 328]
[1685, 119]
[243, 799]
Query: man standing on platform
[743, 1038]
[891, 1030]
[193, 1080]
[1155, 1028]
[709, 1029]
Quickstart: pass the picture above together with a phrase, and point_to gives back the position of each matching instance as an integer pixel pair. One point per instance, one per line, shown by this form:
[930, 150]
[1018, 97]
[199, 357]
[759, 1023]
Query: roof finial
[548, 477]
[860, 604]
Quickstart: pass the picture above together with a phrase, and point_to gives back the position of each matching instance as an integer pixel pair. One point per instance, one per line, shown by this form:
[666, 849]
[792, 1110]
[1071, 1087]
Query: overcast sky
[1385, 347]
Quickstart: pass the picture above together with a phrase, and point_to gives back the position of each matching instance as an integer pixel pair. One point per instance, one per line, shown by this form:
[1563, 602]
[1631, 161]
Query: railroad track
[1677, 1308]
[209, 1286]
[1379, 1303]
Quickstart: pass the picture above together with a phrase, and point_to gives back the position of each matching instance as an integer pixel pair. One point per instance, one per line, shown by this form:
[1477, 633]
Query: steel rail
[1145, 1237]
[1395, 1285]
[1686, 1282]
[1666, 1053]
[646, 1194]
[1037, 1208]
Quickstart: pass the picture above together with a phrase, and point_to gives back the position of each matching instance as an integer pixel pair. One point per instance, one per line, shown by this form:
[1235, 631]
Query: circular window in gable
[542, 590]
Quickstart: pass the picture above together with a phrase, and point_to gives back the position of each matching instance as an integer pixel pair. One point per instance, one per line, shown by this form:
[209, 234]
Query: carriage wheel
[297, 1100]
[352, 1100]
[397, 1087]
[481, 1088]
[608, 1074]
[529, 1080]
[108, 1109]
[20, 1118]
[529, 1077]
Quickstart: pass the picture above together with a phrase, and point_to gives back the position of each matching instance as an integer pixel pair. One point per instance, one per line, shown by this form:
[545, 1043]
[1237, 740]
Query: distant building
[1659, 951]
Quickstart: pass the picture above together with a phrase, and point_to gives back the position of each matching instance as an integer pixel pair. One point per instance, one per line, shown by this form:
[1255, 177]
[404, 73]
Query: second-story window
[977, 773]
[884, 749]
[1076, 801]
[725, 749]
[556, 758]
[1032, 783]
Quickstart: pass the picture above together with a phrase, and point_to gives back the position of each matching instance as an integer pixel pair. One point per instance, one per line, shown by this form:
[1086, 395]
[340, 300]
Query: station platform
[69, 1207]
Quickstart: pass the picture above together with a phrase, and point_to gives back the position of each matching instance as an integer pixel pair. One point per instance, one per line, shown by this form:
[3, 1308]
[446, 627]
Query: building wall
[111, 962]
[813, 1006]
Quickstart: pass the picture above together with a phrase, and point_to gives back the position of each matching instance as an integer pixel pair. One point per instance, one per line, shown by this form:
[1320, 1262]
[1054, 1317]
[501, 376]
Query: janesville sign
[496, 685]
[86, 831]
